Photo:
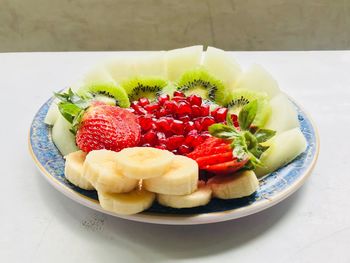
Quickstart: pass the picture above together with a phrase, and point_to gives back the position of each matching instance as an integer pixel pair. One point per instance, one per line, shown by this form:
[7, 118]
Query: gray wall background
[62, 25]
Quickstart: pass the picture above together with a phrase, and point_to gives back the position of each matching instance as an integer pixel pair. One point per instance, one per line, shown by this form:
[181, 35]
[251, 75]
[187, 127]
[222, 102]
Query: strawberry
[98, 125]
[107, 127]
[210, 146]
[214, 159]
[226, 167]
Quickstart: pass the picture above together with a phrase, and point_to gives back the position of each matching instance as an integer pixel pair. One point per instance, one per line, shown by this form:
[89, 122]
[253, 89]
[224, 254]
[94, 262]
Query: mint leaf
[229, 120]
[69, 110]
[263, 135]
[247, 115]
[222, 131]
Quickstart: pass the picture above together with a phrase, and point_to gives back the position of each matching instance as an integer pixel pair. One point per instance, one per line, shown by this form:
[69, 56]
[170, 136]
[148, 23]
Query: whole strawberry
[98, 125]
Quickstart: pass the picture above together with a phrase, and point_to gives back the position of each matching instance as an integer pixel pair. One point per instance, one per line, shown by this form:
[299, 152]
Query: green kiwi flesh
[239, 98]
[106, 92]
[144, 87]
[200, 82]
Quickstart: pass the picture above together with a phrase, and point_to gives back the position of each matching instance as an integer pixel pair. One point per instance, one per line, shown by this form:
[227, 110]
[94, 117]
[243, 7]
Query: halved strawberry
[107, 127]
[209, 147]
[214, 159]
[226, 167]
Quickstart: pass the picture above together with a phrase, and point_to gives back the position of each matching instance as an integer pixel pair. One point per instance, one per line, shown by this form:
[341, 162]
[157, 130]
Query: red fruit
[161, 137]
[220, 115]
[196, 111]
[205, 109]
[179, 94]
[161, 146]
[208, 147]
[177, 127]
[107, 127]
[151, 108]
[190, 137]
[184, 149]
[162, 112]
[162, 124]
[206, 122]
[214, 159]
[150, 137]
[189, 126]
[138, 108]
[170, 106]
[183, 108]
[195, 100]
[174, 142]
[146, 145]
[226, 167]
[146, 122]
[185, 118]
[163, 98]
[143, 101]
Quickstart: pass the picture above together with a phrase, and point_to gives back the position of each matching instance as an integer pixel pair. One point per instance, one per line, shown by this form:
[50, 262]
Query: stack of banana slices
[128, 182]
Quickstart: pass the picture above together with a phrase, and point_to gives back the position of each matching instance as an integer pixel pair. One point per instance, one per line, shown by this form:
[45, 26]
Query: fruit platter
[183, 136]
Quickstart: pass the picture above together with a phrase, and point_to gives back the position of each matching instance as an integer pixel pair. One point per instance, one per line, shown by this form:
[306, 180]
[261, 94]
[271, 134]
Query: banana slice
[234, 186]
[199, 197]
[73, 170]
[144, 162]
[102, 170]
[130, 203]
[181, 178]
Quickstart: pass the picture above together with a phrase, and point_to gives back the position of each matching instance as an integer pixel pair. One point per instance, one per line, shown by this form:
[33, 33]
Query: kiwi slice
[107, 92]
[200, 82]
[240, 97]
[144, 87]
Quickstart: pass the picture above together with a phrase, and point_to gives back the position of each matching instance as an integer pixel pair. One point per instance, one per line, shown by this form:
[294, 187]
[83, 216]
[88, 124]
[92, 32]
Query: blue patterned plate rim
[273, 188]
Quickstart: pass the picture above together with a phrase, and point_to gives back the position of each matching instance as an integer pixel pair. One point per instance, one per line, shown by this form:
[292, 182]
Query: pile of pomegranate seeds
[178, 124]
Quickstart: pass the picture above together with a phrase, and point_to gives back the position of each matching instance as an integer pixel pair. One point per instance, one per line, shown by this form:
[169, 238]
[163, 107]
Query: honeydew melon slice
[151, 65]
[62, 137]
[283, 148]
[283, 114]
[121, 68]
[52, 114]
[222, 66]
[98, 74]
[181, 60]
[258, 79]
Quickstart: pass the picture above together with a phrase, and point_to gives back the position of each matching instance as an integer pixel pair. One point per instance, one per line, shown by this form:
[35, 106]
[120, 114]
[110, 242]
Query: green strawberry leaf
[247, 115]
[222, 131]
[69, 110]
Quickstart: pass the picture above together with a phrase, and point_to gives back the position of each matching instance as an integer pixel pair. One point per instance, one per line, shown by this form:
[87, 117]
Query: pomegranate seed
[205, 135]
[174, 151]
[139, 110]
[184, 108]
[174, 142]
[162, 124]
[195, 100]
[131, 110]
[221, 114]
[179, 99]
[234, 117]
[161, 137]
[170, 106]
[134, 104]
[179, 94]
[184, 149]
[150, 137]
[161, 113]
[189, 126]
[191, 136]
[163, 98]
[146, 145]
[205, 110]
[151, 107]
[196, 111]
[143, 101]
[236, 124]
[206, 122]
[177, 127]
[185, 118]
[197, 141]
[198, 123]
[146, 122]
[161, 146]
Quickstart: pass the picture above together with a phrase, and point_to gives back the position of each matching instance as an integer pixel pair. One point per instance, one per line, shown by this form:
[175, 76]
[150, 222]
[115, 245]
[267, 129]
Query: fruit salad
[176, 127]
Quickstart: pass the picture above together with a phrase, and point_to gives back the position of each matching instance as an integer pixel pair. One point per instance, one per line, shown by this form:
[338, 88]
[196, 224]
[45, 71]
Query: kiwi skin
[148, 87]
[240, 97]
[200, 82]
[105, 91]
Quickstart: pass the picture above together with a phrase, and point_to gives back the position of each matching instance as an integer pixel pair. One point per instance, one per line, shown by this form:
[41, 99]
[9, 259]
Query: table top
[39, 224]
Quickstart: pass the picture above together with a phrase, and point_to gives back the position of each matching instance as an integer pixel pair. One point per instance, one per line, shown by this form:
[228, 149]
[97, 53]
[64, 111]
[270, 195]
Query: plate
[273, 188]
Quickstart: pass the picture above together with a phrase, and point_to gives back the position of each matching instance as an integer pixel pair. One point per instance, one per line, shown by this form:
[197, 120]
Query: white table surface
[39, 224]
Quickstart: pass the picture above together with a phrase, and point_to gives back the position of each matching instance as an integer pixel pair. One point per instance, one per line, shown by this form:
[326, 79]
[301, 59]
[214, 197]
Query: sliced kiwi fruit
[200, 82]
[107, 92]
[240, 97]
[144, 87]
